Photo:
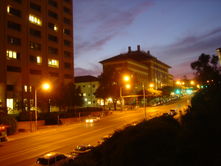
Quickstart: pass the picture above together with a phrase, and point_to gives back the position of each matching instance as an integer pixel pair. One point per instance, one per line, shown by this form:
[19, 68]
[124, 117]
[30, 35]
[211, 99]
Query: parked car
[82, 149]
[54, 158]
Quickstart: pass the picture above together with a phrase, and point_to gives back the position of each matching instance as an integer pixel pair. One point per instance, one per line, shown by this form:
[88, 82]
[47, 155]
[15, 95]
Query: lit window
[84, 94]
[26, 88]
[10, 103]
[12, 54]
[89, 102]
[39, 60]
[53, 63]
[85, 99]
[35, 20]
[55, 28]
[8, 9]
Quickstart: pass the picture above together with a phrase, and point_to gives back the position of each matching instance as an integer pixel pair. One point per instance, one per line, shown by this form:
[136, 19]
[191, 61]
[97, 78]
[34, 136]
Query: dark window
[67, 10]
[14, 12]
[67, 54]
[68, 76]
[53, 74]
[18, 1]
[35, 6]
[35, 32]
[36, 72]
[14, 40]
[52, 14]
[14, 26]
[13, 69]
[52, 3]
[67, 65]
[52, 50]
[10, 87]
[67, 43]
[35, 46]
[51, 26]
[67, 31]
[67, 21]
[67, 1]
[52, 38]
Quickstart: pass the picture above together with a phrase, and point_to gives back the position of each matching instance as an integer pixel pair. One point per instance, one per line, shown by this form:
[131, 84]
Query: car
[54, 158]
[82, 149]
[92, 119]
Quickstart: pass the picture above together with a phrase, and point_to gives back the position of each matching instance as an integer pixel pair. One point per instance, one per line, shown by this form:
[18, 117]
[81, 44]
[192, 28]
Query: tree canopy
[207, 68]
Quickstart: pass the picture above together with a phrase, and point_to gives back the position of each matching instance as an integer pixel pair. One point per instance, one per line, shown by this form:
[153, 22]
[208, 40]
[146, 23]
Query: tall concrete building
[142, 66]
[36, 45]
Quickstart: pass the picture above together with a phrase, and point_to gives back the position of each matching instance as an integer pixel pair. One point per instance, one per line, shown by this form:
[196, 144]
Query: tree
[109, 86]
[207, 68]
[67, 96]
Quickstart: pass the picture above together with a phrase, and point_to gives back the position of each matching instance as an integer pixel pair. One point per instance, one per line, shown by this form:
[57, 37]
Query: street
[25, 150]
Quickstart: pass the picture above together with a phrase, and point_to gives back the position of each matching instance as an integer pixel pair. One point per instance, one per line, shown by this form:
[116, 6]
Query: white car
[54, 158]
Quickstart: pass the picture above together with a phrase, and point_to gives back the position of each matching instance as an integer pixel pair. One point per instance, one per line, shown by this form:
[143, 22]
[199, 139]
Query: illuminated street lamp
[126, 79]
[192, 82]
[46, 87]
[151, 85]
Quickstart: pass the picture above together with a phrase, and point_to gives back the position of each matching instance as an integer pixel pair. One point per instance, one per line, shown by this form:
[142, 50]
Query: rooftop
[86, 78]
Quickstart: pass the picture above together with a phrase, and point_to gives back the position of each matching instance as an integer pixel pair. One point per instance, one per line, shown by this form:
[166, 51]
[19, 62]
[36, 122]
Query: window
[52, 26]
[67, 10]
[54, 74]
[35, 20]
[14, 40]
[52, 50]
[35, 7]
[67, 43]
[68, 76]
[14, 26]
[67, 1]
[36, 59]
[13, 11]
[35, 72]
[67, 54]
[10, 87]
[12, 54]
[53, 63]
[13, 69]
[34, 32]
[67, 65]
[52, 38]
[66, 31]
[18, 1]
[67, 21]
[52, 3]
[52, 14]
[35, 46]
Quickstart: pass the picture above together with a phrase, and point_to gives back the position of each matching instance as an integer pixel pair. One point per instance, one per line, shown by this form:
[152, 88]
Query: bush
[10, 122]
[52, 119]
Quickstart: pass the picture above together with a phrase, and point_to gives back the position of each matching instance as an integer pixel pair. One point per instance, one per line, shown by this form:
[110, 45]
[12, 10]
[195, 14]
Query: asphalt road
[24, 151]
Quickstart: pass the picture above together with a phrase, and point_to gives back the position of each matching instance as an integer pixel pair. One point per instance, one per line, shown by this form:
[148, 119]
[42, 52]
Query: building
[145, 69]
[88, 86]
[218, 50]
[36, 44]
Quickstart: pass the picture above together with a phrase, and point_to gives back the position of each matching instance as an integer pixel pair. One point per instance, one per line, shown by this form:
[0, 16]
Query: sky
[175, 31]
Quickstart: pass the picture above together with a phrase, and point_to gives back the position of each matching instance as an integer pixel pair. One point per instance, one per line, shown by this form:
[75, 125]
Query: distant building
[36, 44]
[218, 50]
[142, 66]
[88, 85]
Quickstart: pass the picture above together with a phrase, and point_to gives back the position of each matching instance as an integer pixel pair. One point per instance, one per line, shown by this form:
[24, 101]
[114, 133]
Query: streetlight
[144, 98]
[46, 87]
[126, 79]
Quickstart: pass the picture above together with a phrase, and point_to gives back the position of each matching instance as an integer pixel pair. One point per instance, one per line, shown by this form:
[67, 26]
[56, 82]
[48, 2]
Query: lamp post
[126, 79]
[45, 86]
[144, 98]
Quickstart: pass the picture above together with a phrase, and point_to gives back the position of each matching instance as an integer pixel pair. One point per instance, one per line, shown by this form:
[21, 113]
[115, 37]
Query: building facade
[88, 86]
[145, 69]
[218, 50]
[36, 45]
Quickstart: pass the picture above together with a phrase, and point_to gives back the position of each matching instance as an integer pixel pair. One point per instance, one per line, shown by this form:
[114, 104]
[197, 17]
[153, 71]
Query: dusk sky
[175, 31]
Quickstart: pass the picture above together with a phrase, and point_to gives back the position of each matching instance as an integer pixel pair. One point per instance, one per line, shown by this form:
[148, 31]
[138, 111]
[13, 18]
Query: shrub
[10, 122]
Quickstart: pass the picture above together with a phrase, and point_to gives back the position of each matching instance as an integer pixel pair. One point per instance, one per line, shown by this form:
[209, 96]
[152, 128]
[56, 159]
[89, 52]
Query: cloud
[106, 23]
[94, 70]
[189, 45]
